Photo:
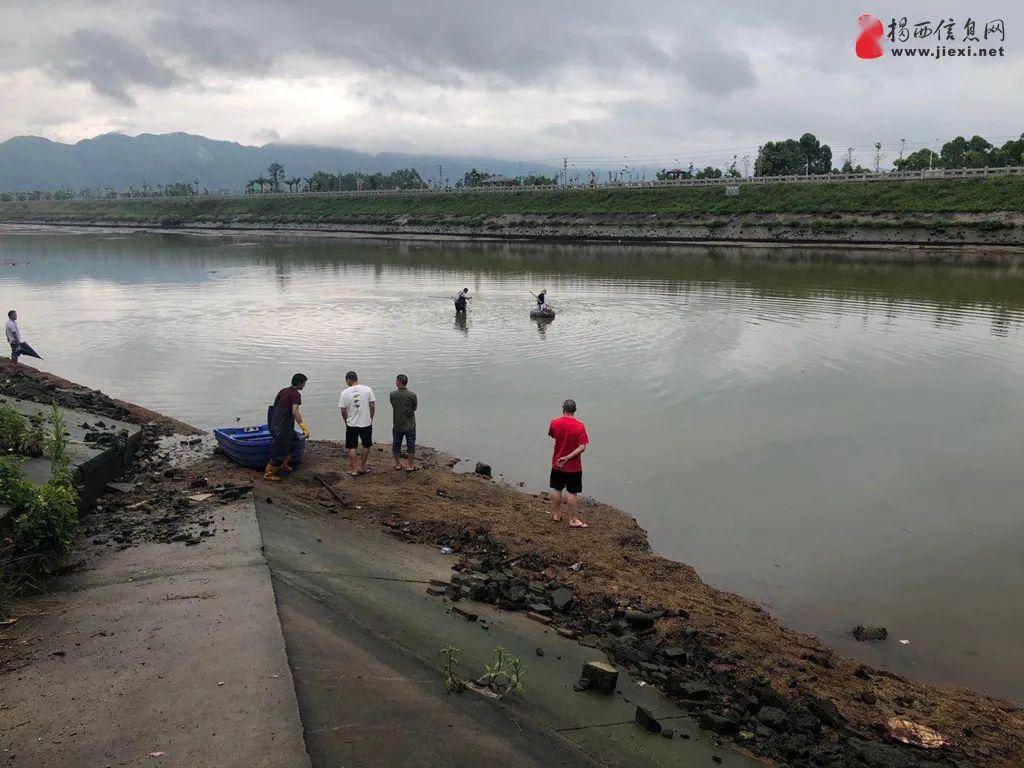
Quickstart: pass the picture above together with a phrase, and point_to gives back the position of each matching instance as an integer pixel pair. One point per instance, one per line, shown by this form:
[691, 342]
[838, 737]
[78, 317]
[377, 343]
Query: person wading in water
[284, 415]
[460, 301]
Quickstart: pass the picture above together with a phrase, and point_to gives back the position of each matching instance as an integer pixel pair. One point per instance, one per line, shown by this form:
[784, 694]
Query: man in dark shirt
[284, 414]
[571, 441]
[403, 405]
[460, 301]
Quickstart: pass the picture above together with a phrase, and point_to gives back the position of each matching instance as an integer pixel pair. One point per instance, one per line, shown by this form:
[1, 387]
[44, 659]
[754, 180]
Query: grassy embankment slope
[982, 204]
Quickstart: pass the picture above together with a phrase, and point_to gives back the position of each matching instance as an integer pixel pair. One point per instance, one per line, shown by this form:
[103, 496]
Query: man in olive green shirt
[403, 404]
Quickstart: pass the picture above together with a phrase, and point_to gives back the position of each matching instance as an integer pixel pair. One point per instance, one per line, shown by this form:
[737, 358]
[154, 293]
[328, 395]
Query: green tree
[1011, 153]
[964, 153]
[276, 173]
[473, 177]
[921, 160]
[794, 157]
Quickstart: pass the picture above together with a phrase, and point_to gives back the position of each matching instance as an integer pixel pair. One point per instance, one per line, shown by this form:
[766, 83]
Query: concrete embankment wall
[1005, 231]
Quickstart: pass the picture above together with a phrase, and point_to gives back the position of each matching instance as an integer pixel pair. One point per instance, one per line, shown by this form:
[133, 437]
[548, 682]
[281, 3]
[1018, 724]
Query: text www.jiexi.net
[947, 51]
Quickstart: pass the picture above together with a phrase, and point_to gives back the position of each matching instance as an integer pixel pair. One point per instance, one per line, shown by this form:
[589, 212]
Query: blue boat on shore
[250, 446]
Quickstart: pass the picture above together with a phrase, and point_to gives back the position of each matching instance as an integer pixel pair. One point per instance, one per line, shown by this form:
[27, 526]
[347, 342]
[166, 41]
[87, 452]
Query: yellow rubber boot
[286, 465]
[270, 473]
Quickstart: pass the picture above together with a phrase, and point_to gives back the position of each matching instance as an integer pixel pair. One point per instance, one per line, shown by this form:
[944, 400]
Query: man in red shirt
[566, 466]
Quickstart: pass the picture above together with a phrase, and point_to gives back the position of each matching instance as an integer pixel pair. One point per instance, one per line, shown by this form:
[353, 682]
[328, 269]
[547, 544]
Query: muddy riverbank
[777, 693]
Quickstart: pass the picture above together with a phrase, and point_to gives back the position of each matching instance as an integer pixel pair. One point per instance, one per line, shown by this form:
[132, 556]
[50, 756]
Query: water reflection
[838, 440]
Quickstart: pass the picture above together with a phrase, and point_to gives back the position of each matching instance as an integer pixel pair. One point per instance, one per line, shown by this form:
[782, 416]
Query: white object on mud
[907, 732]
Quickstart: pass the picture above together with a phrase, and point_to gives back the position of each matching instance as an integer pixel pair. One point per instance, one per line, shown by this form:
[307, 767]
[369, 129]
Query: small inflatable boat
[539, 314]
[250, 446]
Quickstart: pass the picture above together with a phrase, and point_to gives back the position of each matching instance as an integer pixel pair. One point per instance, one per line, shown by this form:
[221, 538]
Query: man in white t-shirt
[13, 334]
[358, 406]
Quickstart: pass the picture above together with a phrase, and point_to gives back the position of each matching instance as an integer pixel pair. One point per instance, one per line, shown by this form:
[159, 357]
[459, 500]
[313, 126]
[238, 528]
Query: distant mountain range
[119, 161]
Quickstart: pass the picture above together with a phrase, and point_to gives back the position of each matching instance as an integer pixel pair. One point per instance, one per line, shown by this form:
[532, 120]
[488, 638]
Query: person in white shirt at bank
[358, 406]
[13, 335]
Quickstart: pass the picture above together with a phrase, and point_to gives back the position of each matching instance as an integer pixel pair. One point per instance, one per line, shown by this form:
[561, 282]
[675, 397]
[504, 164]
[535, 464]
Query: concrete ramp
[161, 655]
[363, 639]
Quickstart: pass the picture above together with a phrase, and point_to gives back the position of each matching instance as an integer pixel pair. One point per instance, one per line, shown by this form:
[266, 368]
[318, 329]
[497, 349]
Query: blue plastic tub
[250, 446]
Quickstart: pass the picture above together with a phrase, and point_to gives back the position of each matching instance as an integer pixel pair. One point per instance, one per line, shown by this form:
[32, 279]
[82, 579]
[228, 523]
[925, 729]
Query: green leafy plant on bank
[501, 677]
[44, 529]
[44, 518]
[450, 657]
[34, 441]
[21, 434]
[504, 674]
[56, 445]
[13, 427]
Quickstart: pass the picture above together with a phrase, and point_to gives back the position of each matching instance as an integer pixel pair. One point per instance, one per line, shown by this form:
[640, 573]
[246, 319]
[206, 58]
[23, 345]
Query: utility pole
[878, 156]
[565, 171]
[903, 143]
[440, 176]
[746, 166]
[849, 158]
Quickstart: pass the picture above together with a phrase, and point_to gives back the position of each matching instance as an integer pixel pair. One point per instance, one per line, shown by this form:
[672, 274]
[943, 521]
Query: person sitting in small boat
[542, 299]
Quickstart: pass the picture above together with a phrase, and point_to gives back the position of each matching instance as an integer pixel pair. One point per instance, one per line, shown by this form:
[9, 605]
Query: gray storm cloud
[110, 64]
[475, 75]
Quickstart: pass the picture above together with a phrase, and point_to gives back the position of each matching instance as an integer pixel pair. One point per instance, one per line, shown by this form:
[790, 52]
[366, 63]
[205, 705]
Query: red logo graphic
[871, 31]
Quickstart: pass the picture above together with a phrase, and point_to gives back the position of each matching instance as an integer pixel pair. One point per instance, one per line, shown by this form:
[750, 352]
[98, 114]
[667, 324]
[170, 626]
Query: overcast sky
[532, 79]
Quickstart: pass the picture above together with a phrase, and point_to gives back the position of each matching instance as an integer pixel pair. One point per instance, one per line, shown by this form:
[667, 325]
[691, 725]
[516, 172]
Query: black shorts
[571, 482]
[354, 434]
